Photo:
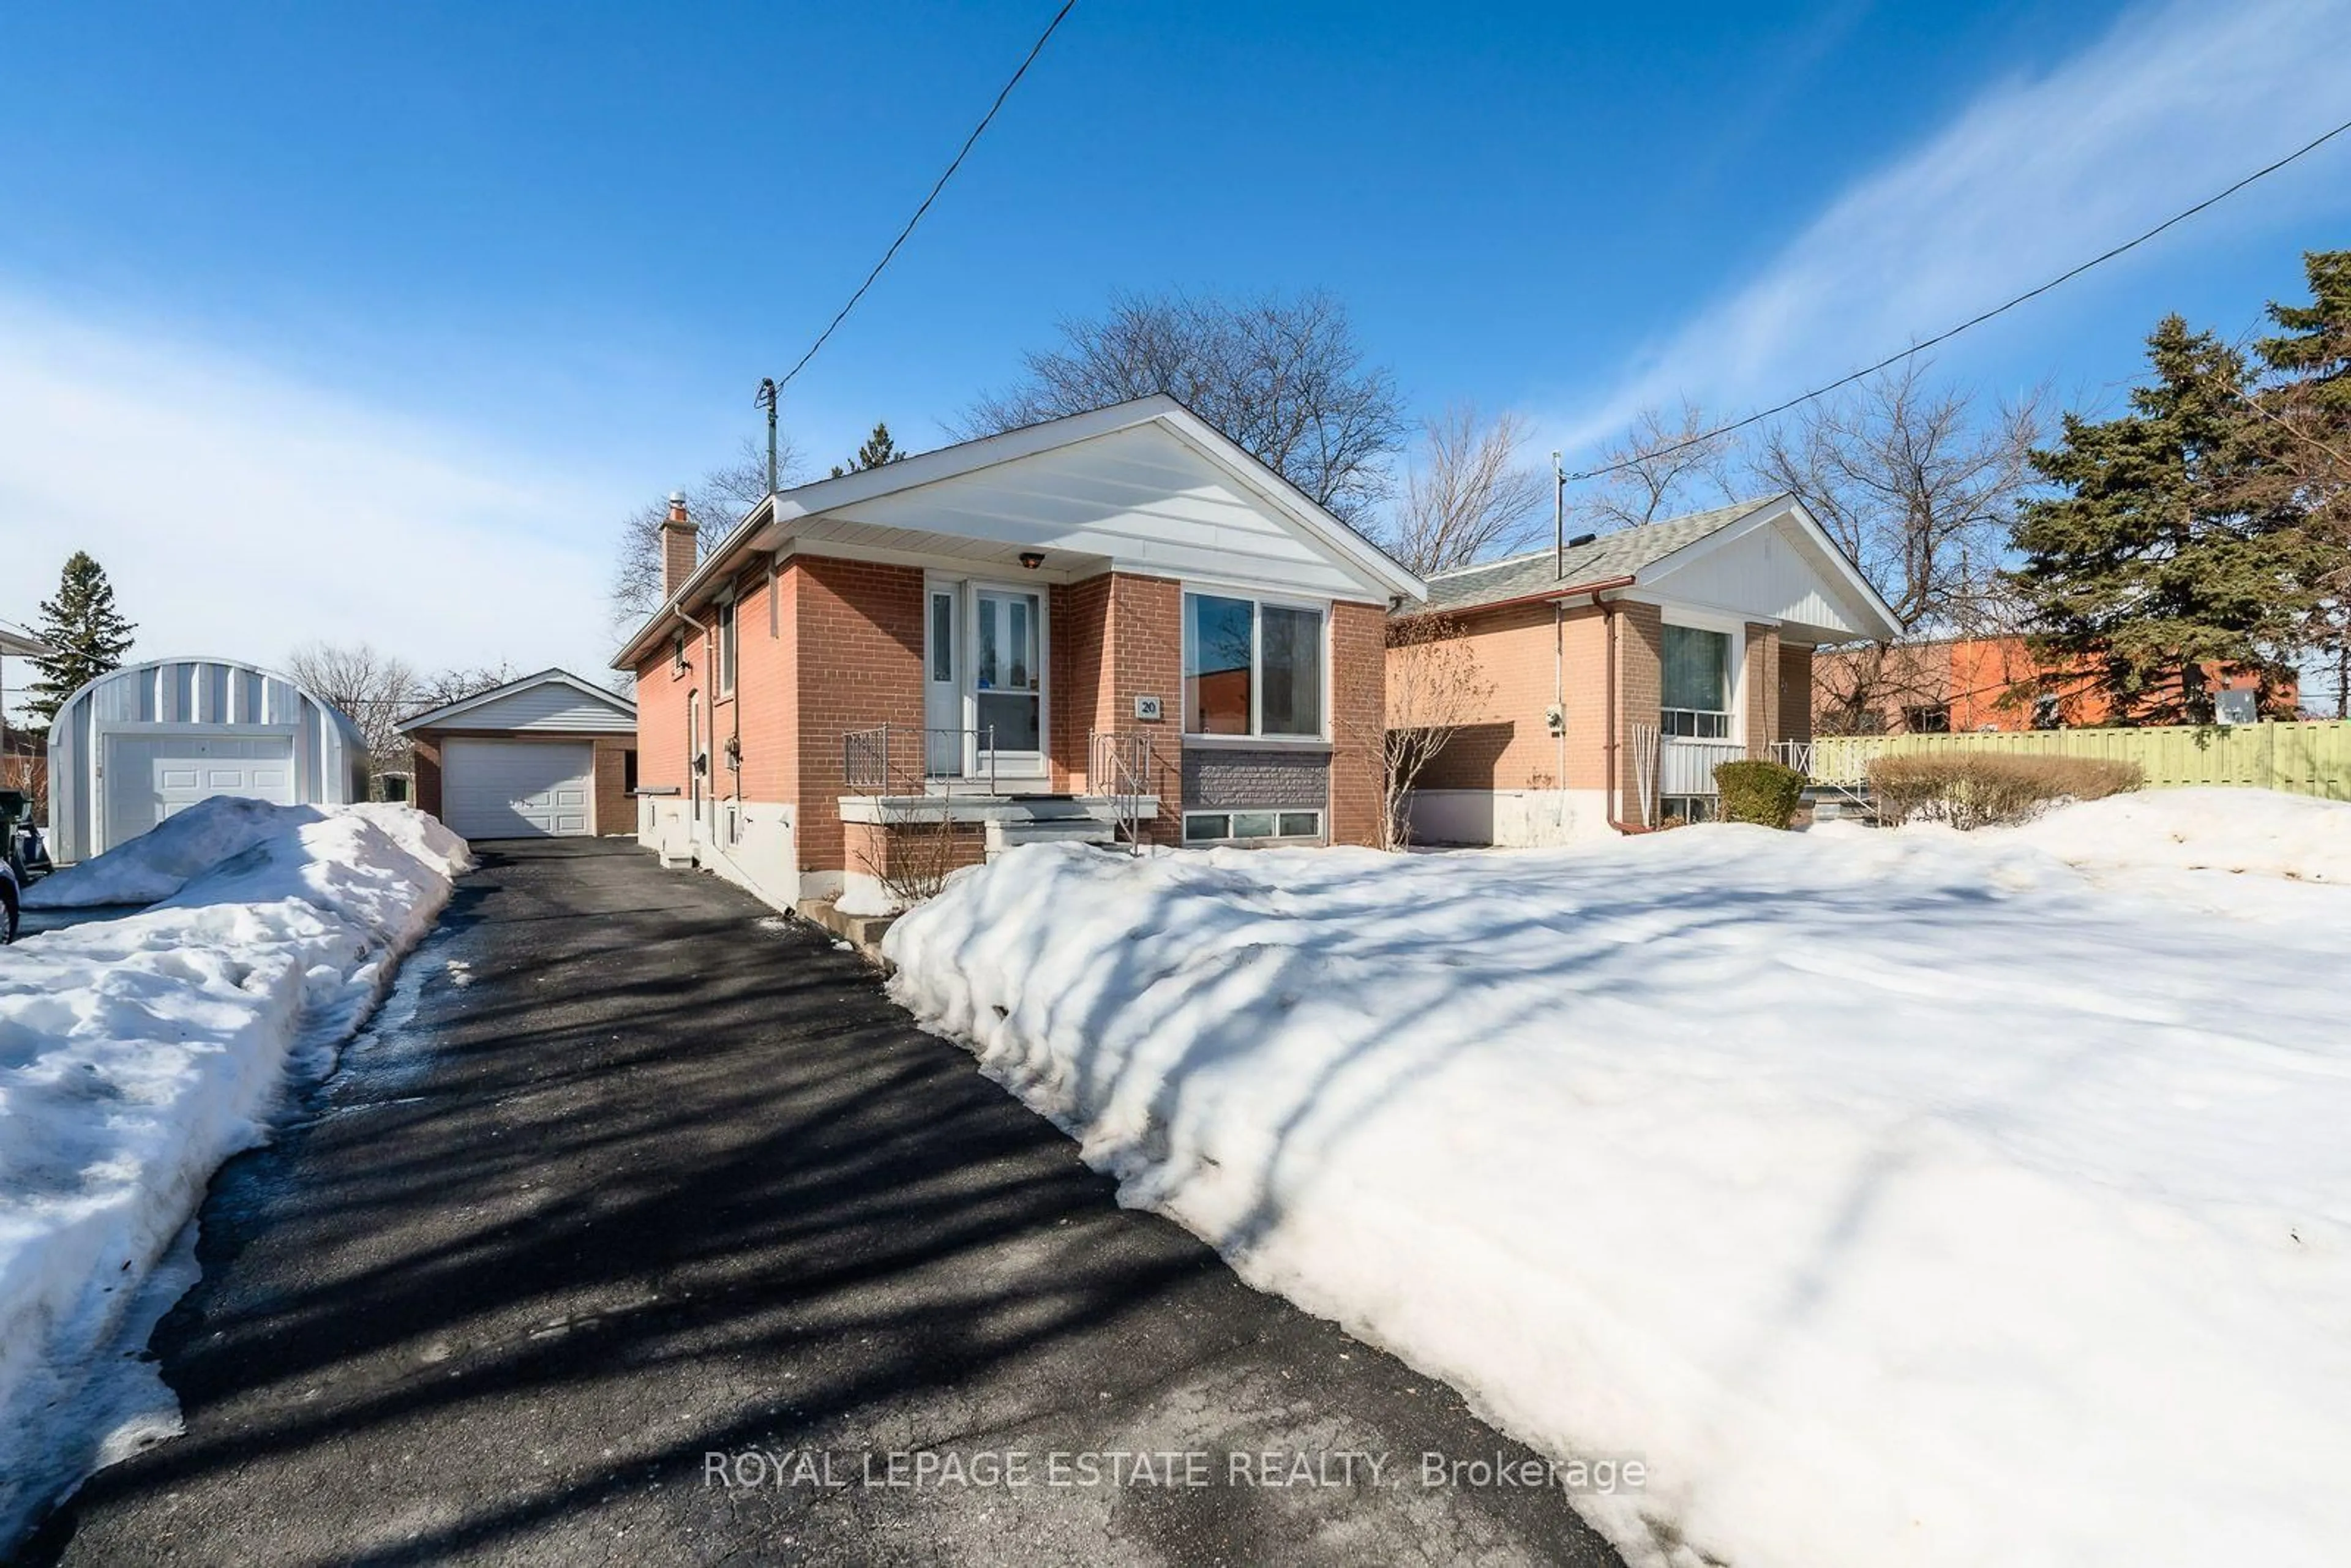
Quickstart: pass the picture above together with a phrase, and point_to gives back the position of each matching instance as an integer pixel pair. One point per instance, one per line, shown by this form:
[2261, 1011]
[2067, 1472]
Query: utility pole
[1558, 519]
[766, 399]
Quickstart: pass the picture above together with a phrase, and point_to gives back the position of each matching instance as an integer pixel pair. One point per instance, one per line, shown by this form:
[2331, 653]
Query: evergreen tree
[2163, 558]
[91, 636]
[878, 449]
[2300, 426]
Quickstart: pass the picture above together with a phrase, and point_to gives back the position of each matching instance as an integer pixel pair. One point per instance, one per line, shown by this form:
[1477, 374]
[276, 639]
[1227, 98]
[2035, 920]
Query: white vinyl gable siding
[1139, 499]
[1765, 575]
[550, 706]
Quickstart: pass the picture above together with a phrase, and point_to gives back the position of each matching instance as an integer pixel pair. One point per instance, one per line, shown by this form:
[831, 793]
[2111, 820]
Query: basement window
[1248, 828]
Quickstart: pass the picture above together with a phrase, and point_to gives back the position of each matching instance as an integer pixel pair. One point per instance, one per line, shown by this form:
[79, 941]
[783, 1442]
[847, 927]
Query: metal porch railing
[895, 759]
[1120, 767]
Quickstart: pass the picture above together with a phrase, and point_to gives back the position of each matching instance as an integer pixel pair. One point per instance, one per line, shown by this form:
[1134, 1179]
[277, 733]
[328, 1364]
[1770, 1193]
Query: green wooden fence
[2311, 757]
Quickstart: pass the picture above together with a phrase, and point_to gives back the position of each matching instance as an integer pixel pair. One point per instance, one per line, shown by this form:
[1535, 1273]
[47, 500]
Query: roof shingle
[1620, 554]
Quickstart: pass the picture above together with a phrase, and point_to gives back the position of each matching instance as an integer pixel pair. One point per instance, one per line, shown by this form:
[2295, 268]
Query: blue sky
[448, 288]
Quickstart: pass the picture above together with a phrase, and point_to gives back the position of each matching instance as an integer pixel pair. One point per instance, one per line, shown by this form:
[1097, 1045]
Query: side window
[726, 648]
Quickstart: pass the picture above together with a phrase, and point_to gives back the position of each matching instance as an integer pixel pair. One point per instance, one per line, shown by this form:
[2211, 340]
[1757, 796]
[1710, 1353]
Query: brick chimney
[678, 546]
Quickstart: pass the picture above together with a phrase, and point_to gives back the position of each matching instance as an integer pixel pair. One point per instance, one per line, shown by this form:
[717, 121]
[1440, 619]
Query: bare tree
[1662, 468]
[718, 504]
[1466, 494]
[1918, 485]
[377, 689]
[1282, 376]
[1918, 488]
[453, 685]
[1435, 687]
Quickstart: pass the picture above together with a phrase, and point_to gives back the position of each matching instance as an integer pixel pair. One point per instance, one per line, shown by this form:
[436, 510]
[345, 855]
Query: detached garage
[547, 756]
[142, 742]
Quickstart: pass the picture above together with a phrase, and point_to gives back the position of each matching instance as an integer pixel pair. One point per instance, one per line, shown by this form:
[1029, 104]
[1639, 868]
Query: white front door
[1007, 678]
[942, 683]
[516, 789]
[150, 777]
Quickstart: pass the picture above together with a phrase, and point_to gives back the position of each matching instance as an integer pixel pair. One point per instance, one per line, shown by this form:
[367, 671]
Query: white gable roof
[553, 701]
[1776, 563]
[1145, 486]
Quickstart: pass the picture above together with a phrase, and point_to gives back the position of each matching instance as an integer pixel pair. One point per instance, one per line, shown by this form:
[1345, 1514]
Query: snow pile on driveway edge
[137, 1055]
[1917, 1198]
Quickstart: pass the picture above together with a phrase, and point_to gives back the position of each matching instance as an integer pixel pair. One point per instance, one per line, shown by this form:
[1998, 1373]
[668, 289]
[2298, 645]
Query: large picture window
[1697, 683]
[1251, 668]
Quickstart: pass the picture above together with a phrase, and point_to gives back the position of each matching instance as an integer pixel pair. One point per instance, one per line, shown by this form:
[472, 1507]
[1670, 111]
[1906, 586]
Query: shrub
[1761, 791]
[1981, 788]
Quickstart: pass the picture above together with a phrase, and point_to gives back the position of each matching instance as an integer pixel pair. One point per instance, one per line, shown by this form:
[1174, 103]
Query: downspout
[1559, 697]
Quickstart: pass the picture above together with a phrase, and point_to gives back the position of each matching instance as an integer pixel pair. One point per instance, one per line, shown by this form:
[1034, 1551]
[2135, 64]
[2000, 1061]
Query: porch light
[1032, 559]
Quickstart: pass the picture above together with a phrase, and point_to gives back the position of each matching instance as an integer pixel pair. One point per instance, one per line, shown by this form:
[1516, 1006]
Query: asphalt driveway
[632, 1174]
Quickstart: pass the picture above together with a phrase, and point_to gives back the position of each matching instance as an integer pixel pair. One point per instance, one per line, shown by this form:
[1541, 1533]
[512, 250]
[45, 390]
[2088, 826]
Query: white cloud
[2036, 176]
[240, 513]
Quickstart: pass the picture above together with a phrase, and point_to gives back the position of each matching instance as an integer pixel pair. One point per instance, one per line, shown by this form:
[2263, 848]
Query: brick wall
[758, 716]
[1221, 778]
[661, 719]
[1358, 722]
[884, 852]
[611, 809]
[1761, 683]
[1796, 691]
[1507, 745]
[424, 763]
[1082, 680]
[858, 650]
[1640, 674]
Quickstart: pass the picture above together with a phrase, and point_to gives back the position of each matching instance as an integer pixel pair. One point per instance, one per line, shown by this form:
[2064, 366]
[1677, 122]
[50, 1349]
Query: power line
[961, 153]
[1946, 336]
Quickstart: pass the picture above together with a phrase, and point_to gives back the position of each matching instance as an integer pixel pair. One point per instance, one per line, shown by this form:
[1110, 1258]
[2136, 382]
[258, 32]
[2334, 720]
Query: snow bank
[2256, 830]
[1900, 1199]
[155, 864]
[137, 1055]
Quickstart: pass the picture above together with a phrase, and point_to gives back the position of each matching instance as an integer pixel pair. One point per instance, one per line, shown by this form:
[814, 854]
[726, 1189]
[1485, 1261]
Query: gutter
[1549, 595]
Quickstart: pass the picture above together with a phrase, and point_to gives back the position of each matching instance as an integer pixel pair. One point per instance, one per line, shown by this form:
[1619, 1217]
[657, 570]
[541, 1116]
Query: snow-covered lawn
[137, 1055]
[1900, 1197]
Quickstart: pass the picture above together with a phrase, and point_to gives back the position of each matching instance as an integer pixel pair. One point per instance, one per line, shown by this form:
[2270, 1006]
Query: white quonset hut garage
[142, 742]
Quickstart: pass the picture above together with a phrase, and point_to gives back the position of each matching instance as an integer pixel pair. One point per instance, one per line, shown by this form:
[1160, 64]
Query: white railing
[1685, 767]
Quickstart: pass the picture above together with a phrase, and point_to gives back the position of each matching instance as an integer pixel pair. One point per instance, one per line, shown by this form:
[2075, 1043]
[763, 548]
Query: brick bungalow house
[1957, 684]
[1115, 622]
[1625, 667]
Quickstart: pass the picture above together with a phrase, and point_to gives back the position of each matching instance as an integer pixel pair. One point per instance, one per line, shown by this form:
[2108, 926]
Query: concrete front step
[1002, 836]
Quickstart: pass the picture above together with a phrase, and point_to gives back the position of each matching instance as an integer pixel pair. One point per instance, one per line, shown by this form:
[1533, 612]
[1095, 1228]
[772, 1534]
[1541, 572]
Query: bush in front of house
[1759, 790]
[1984, 789]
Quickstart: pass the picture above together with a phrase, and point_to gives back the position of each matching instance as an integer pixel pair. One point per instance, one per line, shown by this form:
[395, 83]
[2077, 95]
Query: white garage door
[515, 788]
[149, 777]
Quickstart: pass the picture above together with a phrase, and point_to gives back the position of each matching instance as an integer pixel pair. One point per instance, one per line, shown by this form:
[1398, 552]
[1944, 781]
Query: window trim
[1257, 601]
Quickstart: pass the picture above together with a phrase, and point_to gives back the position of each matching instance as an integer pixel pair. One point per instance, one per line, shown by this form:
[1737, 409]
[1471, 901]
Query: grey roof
[1620, 554]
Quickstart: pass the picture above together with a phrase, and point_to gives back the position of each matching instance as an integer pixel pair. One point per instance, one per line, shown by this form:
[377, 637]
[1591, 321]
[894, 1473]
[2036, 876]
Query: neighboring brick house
[1625, 667]
[1118, 622]
[549, 755]
[1957, 684]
